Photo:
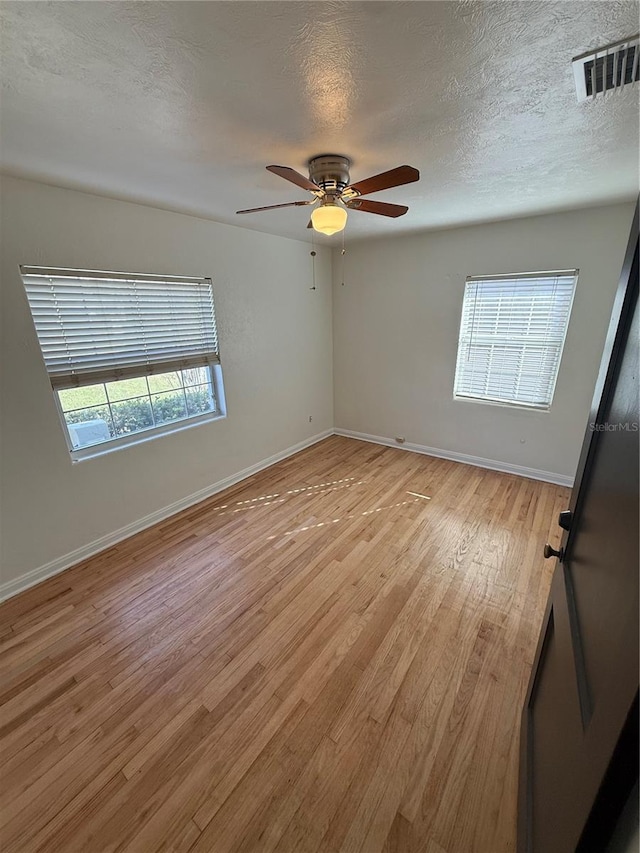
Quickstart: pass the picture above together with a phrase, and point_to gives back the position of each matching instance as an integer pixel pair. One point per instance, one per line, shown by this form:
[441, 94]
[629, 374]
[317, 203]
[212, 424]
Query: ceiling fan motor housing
[330, 172]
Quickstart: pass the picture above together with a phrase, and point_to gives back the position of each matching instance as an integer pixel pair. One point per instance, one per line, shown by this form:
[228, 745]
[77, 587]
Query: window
[511, 337]
[129, 356]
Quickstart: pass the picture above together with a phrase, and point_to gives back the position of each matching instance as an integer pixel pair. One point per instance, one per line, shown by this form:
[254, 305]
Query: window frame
[78, 454]
[515, 404]
[212, 365]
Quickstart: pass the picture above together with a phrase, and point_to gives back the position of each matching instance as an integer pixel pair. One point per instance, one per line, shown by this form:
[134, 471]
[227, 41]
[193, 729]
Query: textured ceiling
[182, 104]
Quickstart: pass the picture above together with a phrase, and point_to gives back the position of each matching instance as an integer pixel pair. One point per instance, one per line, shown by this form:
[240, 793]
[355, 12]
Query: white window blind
[511, 336]
[100, 327]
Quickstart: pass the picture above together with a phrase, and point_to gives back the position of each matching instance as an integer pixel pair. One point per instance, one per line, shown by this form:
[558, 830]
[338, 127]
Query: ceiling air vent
[607, 69]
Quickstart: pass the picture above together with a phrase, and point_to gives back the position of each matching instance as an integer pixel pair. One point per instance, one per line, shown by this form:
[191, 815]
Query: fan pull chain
[313, 259]
[343, 253]
[313, 266]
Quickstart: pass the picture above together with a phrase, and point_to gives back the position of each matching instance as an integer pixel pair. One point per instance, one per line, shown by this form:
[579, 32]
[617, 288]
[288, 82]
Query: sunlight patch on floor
[336, 520]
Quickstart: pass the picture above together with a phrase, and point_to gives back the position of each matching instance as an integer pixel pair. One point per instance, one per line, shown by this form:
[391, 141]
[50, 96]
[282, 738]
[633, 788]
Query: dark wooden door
[579, 725]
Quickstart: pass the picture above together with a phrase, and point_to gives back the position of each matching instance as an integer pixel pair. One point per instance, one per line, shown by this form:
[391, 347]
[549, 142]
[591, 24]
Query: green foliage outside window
[134, 415]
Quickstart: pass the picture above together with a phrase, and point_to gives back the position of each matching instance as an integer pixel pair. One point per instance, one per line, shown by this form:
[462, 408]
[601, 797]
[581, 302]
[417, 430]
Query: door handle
[551, 552]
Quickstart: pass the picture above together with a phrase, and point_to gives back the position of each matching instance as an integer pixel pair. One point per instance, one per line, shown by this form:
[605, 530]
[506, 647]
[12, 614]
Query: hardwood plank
[329, 656]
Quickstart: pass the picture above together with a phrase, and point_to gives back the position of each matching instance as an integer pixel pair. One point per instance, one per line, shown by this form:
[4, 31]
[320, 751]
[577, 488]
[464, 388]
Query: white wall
[275, 338]
[396, 323]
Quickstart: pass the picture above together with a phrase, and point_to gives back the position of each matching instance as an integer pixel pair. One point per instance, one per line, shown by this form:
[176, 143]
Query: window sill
[82, 453]
[544, 410]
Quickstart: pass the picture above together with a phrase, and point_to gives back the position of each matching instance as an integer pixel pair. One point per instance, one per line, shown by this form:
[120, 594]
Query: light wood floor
[331, 656]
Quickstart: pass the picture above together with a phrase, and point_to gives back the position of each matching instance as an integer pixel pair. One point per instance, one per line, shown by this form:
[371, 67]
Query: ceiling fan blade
[295, 177]
[274, 206]
[380, 207]
[384, 181]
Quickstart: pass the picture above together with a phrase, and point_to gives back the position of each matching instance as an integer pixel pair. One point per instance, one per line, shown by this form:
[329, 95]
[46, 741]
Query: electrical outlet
[310, 418]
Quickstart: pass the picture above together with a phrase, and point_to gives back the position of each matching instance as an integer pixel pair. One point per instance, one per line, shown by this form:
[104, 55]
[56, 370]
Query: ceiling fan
[328, 182]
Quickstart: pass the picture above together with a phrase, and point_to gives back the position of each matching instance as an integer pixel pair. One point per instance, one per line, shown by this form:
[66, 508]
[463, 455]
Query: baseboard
[466, 459]
[54, 567]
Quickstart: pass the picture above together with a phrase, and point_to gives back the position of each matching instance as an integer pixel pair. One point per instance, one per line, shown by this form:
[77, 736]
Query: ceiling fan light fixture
[328, 182]
[329, 219]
